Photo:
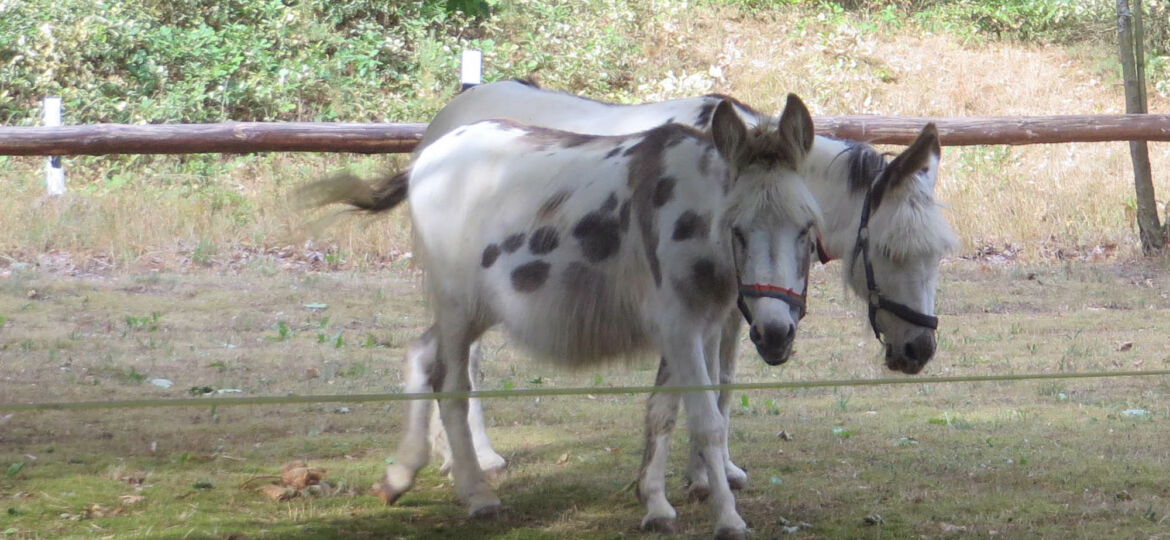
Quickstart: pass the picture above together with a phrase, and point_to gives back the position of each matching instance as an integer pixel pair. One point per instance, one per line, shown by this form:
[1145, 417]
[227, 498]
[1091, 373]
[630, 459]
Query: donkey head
[770, 214]
[895, 263]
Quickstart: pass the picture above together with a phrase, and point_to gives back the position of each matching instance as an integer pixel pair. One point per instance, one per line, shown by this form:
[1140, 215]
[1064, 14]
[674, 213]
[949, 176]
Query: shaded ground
[1024, 459]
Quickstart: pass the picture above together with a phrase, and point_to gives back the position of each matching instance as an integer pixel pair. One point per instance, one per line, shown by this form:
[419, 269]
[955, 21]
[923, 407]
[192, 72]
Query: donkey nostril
[754, 334]
[911, 351]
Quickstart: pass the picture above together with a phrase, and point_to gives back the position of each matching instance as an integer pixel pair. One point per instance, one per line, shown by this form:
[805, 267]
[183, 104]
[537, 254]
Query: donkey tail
[372, 197]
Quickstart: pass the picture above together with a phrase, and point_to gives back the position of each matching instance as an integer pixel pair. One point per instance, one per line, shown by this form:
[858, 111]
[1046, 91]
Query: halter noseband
[788, 296]
[876, 300]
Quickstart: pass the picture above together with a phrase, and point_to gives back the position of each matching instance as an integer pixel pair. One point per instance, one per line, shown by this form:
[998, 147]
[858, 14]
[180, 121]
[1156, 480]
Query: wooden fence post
[1153, 236]
[54, 172]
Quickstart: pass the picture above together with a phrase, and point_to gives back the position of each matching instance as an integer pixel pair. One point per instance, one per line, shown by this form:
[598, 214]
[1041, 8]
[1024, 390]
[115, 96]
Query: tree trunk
[1153, 236]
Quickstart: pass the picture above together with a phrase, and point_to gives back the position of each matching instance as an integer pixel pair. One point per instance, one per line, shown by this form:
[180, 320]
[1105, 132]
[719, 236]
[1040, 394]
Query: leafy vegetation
[208, 61]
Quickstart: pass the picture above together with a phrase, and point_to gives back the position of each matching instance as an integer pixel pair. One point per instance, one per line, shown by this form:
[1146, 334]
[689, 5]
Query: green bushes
[263, 60]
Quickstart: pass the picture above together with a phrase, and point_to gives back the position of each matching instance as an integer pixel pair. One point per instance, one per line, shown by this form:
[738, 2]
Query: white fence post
[54, 173]
[471, 70]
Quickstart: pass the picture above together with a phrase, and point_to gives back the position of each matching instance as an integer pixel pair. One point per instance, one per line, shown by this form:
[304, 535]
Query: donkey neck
[828, 170]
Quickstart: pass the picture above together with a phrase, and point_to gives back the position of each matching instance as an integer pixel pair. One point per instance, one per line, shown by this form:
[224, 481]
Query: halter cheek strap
[822, 253]
[876, 300]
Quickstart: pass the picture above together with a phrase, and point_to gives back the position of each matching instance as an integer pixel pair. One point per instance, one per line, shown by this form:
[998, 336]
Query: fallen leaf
[784, 436]
[302, 476]
[948, 528]
[131, 499]
[135, 479]
[563, 459]
[278, 493]
[873, 519]
[1125, 346]
[312, 373]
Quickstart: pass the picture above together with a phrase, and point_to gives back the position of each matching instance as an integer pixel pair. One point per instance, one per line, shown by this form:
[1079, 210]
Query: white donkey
[880, 215]
[590, 247]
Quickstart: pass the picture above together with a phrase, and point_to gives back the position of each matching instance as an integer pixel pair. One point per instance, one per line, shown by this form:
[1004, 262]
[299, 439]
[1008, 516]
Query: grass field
[1055, 459]
[198, 272]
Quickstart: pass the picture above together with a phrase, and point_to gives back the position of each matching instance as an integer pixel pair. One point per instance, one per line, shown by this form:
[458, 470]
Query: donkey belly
[578, 315]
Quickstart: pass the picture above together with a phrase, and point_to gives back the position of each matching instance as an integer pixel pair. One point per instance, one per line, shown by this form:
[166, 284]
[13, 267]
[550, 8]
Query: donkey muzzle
[773, 342]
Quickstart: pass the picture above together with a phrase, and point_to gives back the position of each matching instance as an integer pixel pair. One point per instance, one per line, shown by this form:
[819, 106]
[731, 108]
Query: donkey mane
[865, 164]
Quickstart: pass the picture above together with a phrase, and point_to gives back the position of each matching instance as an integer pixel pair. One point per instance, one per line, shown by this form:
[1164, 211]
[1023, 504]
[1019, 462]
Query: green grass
[1023, 459]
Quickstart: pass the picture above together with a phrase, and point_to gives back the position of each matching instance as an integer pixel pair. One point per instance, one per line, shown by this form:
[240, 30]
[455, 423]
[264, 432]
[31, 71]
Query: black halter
[876, 300]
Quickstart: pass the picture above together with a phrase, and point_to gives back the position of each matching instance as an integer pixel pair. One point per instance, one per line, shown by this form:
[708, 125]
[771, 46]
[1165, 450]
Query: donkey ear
[796, 128]
[728, 132]
[919, 160]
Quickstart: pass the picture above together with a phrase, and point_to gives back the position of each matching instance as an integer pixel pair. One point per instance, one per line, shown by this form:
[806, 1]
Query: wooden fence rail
[375, 138]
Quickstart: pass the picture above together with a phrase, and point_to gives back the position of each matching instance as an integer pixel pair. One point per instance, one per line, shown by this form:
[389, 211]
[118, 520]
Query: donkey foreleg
[707, 429]
[490, 461]
[698, 486]
[422, 375]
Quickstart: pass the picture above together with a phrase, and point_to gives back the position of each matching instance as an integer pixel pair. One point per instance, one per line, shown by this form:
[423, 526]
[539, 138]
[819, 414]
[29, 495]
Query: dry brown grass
[1031, 201]
[1039, 199]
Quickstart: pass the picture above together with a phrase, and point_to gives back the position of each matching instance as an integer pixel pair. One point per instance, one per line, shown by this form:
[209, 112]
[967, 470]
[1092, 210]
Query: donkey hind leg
[470, 481]
[706, 427]
[490, 461]
[423, 375]
[661, 413]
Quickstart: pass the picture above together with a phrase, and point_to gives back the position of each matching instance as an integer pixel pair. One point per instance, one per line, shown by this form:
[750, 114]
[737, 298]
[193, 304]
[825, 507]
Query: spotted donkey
[880, 219]
[592, 247]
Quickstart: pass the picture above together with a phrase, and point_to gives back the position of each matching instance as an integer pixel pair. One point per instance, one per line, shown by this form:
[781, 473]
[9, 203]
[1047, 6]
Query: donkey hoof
[729, 533]
[488, 511]
[737, 483]
[696, 492]
[659, 525]
[387, 494]
[492, 464]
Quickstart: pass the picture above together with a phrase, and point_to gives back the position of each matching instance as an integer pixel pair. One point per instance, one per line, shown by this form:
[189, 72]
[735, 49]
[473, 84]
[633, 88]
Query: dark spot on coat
[529, 276]
[550, 205]
[624, 217]
[438, 372]
[541, 138]
[544, 240]
[705, 161]
[663, 191]
[598, 235]
[709, 286]
[512, 242]
[490, 254]
[570, 139]
[663, 372]
[690, 225]
[609, 205]
[645, 170]
[703, 121]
